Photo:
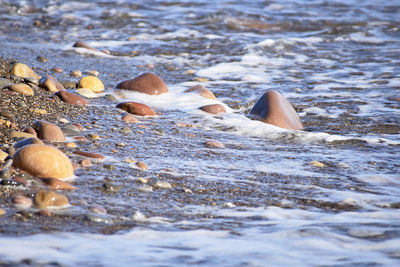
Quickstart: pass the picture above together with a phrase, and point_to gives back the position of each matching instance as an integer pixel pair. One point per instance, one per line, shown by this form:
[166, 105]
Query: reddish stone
[128, 118]
[51, 84]
[214, 144]
[201, 90]
[89, 154]
[80, 138]
[21, 180]
[273, 108]
[31, 131]
[80, 127]
[147, 83]
[57, 184]
[71, 98]
[49, 132]
[85, 163]
[84, 45]
[136, 108]
[213, 108]
[27, 141]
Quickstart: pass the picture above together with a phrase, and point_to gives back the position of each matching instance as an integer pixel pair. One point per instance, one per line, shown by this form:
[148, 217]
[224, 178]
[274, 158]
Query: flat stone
[43, 161]
[147, 83]
[316, 163]
[92, 83]
[146, 188]
[213, 109]
[137, 108]
[22, 70]
[47, 199]
[2, 212]
[49, 132]
[51, 84]
[70, 129]
[22, 89]
[57, 70]
[201, 90]
[57, 184]
[98, 209]
[89, 154]
[163, 184]
[75, 73]
[71, 98]
[273, 108]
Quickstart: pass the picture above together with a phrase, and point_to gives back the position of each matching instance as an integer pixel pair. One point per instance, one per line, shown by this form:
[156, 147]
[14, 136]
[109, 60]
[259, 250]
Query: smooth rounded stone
[214, 144]
[146, 188]
[163, 185]
[93, 73]
[63, 120]
[21, 202]
[27, 141]
[80, 127]
[57, 184]
[136, 108]
[75, 73]
[46, 213]
[70, 129]
[68, 84]
[3, 155]
[213, 108]
[49, 132]
[18, 134]
[4, 83]
[111, 188]
[273, 108]
[80, 138]
[141, 165]
[84, 45]
[128, 118]
[43, 161]
[87, 93]
[42, 59]
[91, 82]
[57, 70]
[21, 180]
[94, 136]
[111, 98]
[147, 83]
[31, 80]
[98, 219]
[22, 89]
[142, 180]
[70, 145]
[85, 163]
[51, 84]
[94, 156]
[2, 212]
[71, 98]
[22, 70]
[201, 90]
[316, 163]
[98, 209]
[47, 199]
[30, 130]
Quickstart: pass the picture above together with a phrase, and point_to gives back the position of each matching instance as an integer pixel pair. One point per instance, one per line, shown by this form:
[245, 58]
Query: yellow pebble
[2, 212]
[316, 163]
[38, 111]
[201, 79]
[3, 155]
[91, 82]
[22, 70]
[71, 145]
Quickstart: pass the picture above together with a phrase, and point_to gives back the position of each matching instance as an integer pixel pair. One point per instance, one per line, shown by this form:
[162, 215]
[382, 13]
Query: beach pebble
[75, 73]
[86, 93]
[98, 209]
[213, 108]
[22, 89]
[21, 180]
[43, 161]
[57, 70]
[22, 70]
[316, 163]
[201, 90]
[273, 108]
[85, 163]
[4, 83]
[90, 155]
[27, 141]
[21, 202]
[111, 188]
[137, 108]
[142, 180]
[42, 59]
[128, 118]
[49, 132]
[93, 73]
[111, 98]
[147, 83]
[141, 165]
[146, 188]
[71, 98]
[2, 212]
[80, 138]
[57, 184]
[91, 82]
[3, 155]
[84, 45]
[94, 136]
[98, 219]
[18, 135]
[70, 129]
[50, 83]
[214, 144]
[163, 185]
[68, 84]
[47, 199]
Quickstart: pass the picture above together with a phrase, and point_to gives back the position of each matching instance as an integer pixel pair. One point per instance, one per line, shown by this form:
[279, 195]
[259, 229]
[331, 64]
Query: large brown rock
[49, 132]
[273, 108]
[137, 108]
[71, 98]
[201, 90]
[43, 161]
[213, 109]
[46, 199]
[147, 83]
[50, 83]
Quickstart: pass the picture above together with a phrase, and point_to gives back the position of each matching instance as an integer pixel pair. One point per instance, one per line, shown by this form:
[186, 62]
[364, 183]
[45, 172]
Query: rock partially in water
[213, 109]
[47, 199]
[75, 73]
[95, 156]
[137, 108]
[92, 83]
[57, 184]
[22, 70]
[128, 118]
[84, 45]
[214, 144]
[147, 83]
[71, 98]
[87, 93]
[21, 202]
[201, 90]
[22, 89]
[85, 163]
[27, 141]
[163, 185]
[273, 108]
[51, 84]
[98, 209]
[43, 161]
[49, 132]
[317, 164]
[141, 165]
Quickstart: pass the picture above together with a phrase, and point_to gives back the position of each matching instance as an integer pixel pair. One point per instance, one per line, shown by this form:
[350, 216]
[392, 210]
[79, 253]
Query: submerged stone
[137, 108]
[49, 132]
[201, 90]
[147, 83]
[213, 109]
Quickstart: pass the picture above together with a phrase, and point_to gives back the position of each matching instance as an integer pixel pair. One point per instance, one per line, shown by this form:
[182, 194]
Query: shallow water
[259, 200]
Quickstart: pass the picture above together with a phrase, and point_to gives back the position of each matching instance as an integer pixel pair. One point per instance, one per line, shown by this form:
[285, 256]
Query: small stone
[80, 127]
[190, 72]
[316, 163]
[17, 134]
[47, 199]
[3, 155]
[22, 70]
[42, 59]
[84, 45]
[71, 98]
[46, 213]
[98, 209]
[85, 163]
[214, 144]
[57, 184]
[201, 90]
[21, 202]
[63, 120]
[111, 98]
[22, 89]
[39, 111]
[109, 167]
[43, 161]
[21, 180]
[201, 79]
[137, 108]
[142, 165]
[91, 82]
[4, 83]
[126, 130]
[94, 73]
[87, 93]
[98, 219]
[128, 118]
[80, 138]
[70, 129]
[147, 83]
[187, 190]
[129, 161]
[120, 144]
[2, 212]
[51, 84]
[146, 188]
[75, 73]
[97, 156]
[163, 184]
[213, 109]
[70, 145]
[94, 136]
[110, 188]
[142, 180]
[68, 84]
[49, 132]
[57, 70]
[27, 141]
